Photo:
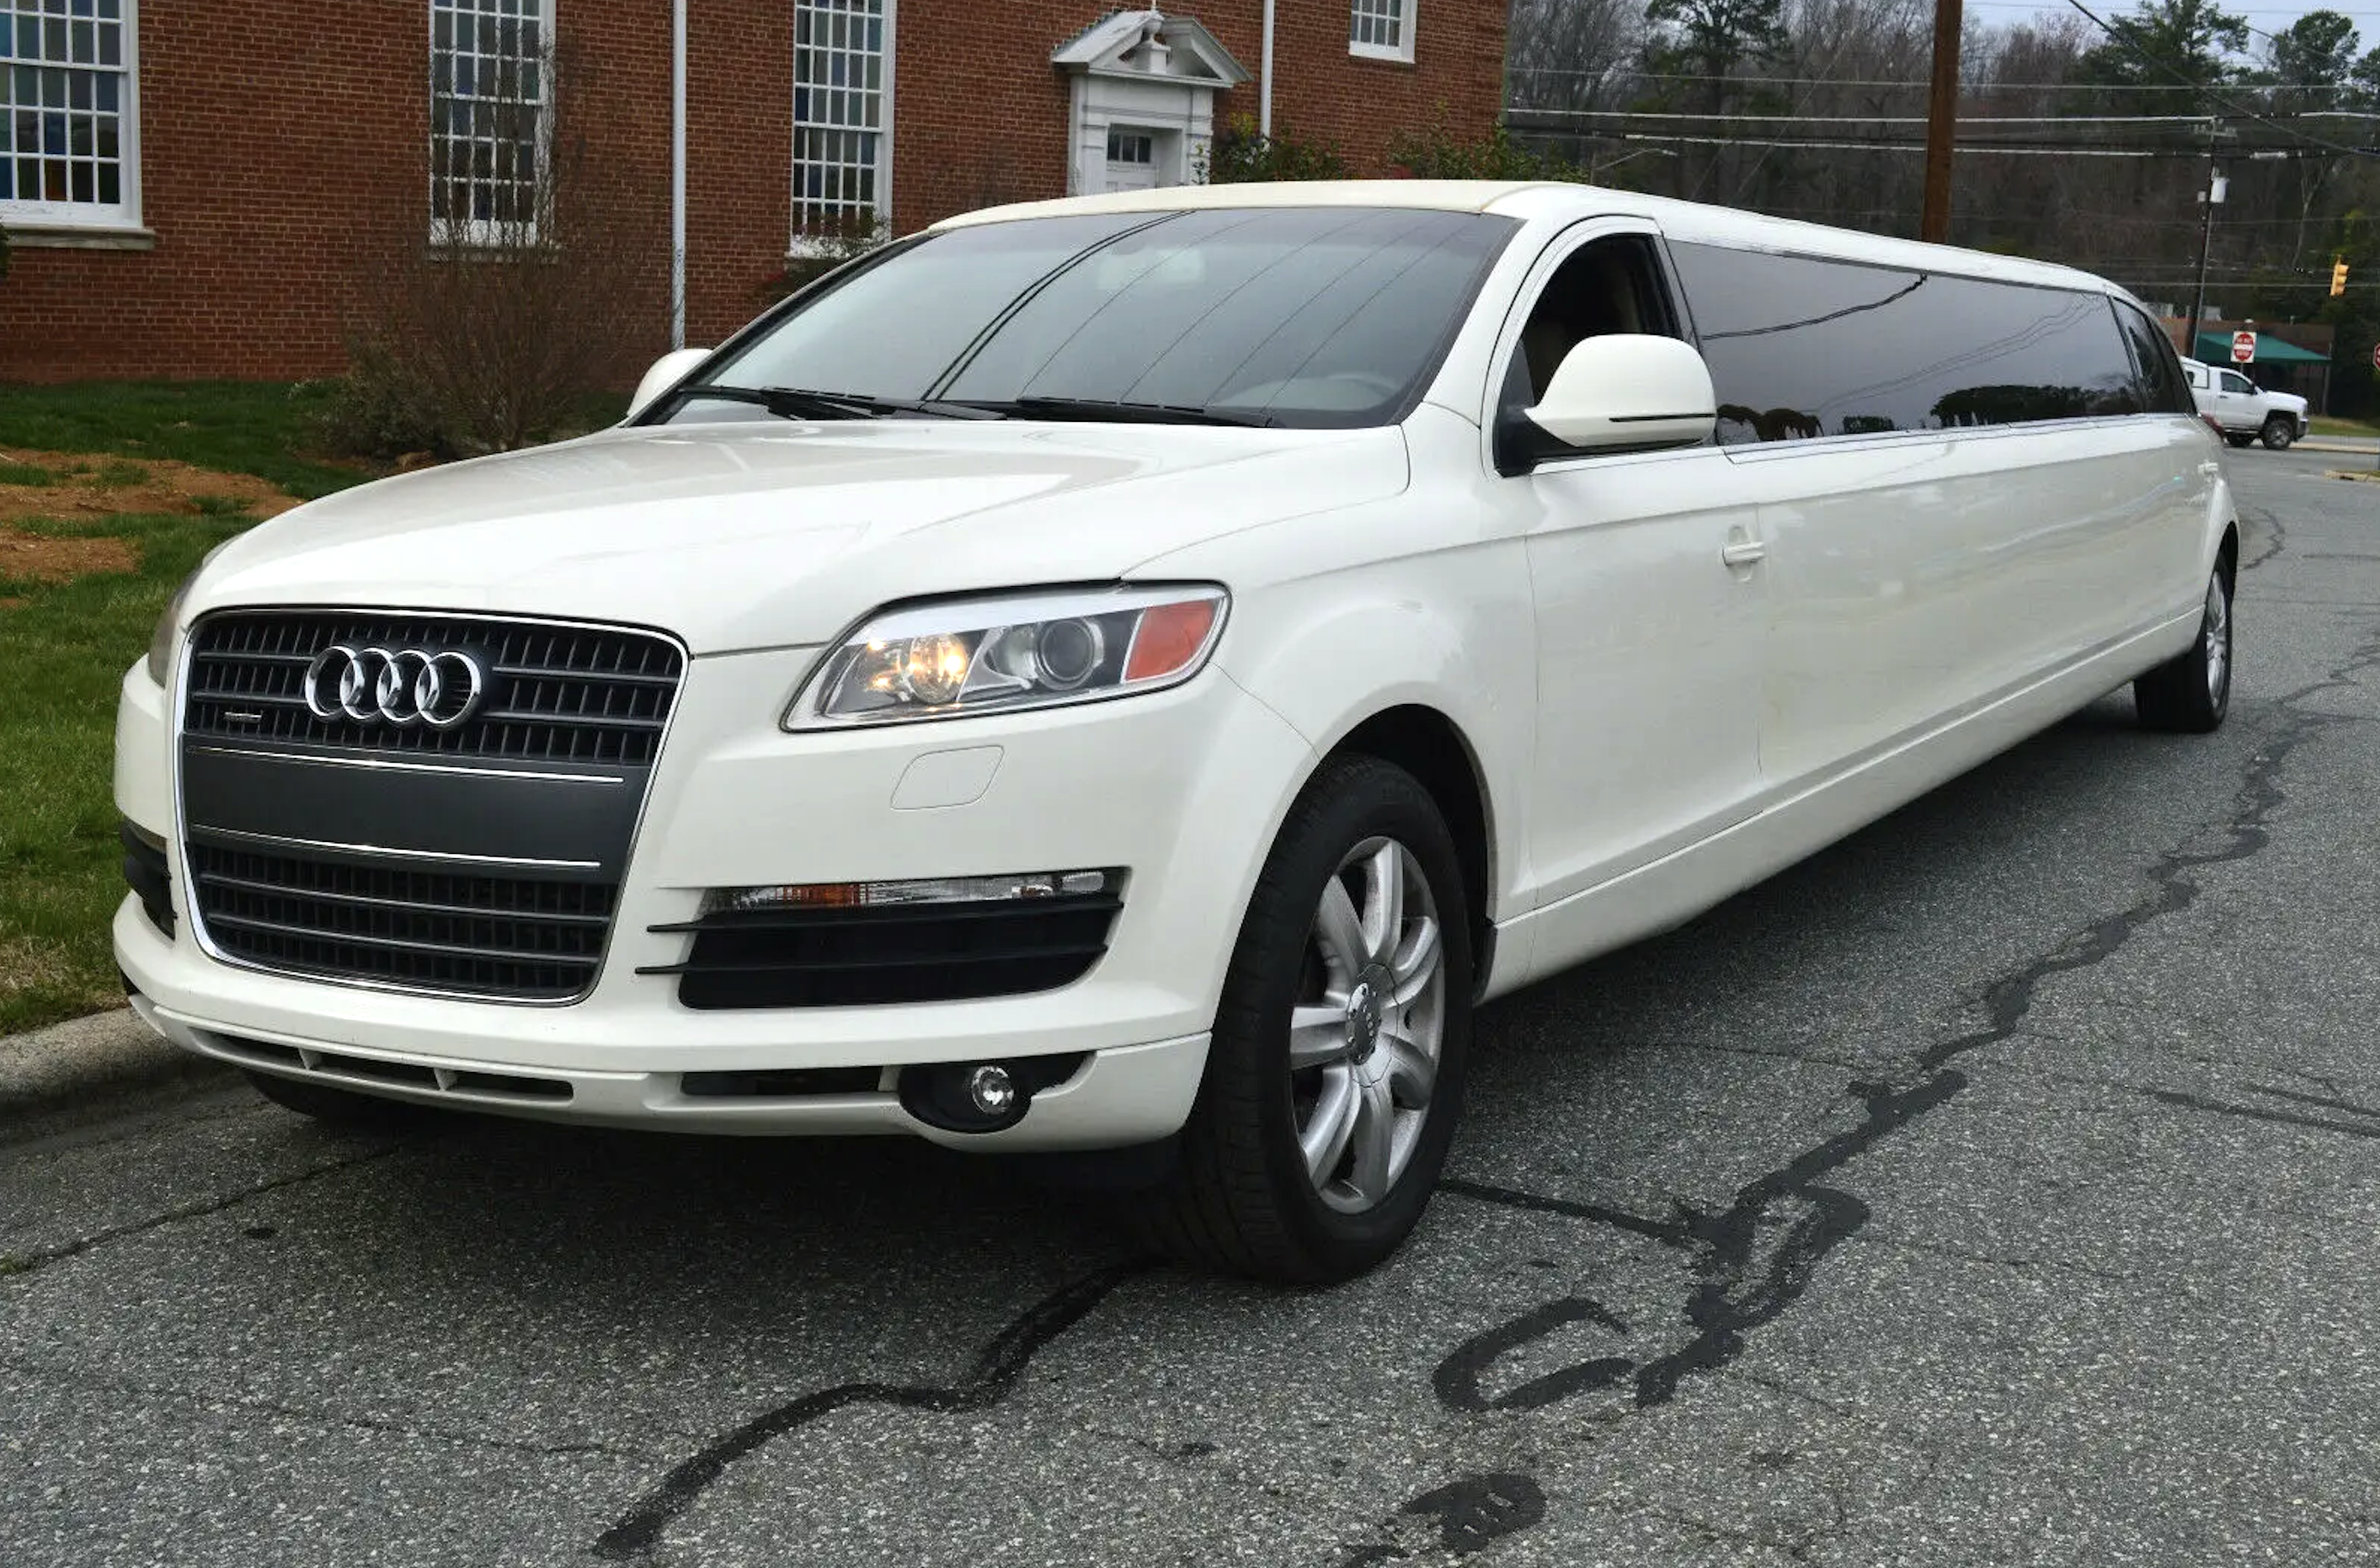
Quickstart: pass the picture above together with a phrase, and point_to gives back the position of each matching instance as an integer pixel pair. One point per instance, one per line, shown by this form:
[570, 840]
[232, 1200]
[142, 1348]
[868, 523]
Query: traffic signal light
[2339, 277]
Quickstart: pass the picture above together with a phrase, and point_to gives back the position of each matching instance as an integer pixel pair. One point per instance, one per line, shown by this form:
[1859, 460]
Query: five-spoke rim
[1365, 1033]
[2218, 638]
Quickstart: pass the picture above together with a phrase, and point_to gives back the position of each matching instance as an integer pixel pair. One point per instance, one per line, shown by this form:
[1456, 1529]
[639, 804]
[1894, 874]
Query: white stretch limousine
[1133, 672]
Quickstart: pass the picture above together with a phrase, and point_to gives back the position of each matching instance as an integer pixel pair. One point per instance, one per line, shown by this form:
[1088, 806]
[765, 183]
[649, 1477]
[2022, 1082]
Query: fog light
[993, 1091]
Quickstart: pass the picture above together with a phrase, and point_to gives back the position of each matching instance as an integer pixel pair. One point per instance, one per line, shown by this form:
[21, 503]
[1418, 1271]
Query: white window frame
[93, 217]
[804, 242]
[1400, 52]
[485, 231]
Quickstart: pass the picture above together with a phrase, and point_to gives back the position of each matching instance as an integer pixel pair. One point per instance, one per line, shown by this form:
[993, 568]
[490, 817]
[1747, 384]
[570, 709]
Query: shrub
[494, 341]
[1241, 154]
[1437, 153]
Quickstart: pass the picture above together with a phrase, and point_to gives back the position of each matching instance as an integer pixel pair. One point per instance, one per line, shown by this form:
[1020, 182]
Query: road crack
[20, 1263]
[999, 1367]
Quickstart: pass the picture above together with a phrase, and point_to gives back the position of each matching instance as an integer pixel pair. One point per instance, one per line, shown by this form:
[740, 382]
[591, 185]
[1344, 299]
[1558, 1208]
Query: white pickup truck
[2243, 410]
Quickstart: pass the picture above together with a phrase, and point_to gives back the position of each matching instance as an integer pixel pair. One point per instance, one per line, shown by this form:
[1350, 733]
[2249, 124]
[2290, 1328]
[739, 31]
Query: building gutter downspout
[677, 174]
[1264, 97]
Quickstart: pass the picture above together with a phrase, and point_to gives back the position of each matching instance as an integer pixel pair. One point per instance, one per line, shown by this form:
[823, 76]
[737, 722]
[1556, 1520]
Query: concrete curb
[107, 1054]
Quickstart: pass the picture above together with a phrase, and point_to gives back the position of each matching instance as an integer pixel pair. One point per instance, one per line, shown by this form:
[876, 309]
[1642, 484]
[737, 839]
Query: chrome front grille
[483, 861]
[556, 693]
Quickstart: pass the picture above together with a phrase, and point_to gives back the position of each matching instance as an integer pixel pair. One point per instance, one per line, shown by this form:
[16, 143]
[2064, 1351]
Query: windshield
[1310, 317]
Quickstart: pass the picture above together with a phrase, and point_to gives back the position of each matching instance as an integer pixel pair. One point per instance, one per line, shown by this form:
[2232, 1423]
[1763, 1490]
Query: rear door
[1952, 500]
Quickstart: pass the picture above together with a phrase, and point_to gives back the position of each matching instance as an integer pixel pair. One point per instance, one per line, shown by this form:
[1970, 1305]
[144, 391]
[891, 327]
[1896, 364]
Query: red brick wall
[277, 162]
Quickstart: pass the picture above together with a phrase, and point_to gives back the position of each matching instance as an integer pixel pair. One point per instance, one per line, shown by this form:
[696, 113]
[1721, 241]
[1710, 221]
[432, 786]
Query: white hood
[750, 535]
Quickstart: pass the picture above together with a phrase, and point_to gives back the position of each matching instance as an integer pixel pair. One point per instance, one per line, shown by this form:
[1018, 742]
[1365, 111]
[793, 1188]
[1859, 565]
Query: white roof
[1550, 198]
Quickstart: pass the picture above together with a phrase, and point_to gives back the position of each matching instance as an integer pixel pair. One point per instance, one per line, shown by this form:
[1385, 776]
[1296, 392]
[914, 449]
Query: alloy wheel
[1364, 1035]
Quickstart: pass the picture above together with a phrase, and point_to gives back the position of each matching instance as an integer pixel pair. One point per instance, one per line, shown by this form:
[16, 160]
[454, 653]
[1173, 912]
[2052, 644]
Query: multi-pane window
[843, 72]
[489, 98]
[65, 111]
[1131, 146]
[1381, 28]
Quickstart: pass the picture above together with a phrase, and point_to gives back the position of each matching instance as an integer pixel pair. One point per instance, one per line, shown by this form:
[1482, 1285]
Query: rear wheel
[1334, 1080]
[334, 1107]
[2278, 431]
[2191, 693]
[2238, 439]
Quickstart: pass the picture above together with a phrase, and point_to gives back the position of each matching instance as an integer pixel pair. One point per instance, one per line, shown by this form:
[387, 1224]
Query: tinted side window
[1802, 347]
[2163, 387]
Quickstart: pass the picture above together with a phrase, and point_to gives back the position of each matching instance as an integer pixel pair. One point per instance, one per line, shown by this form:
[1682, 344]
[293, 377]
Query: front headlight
[965, 656]
[161, 641]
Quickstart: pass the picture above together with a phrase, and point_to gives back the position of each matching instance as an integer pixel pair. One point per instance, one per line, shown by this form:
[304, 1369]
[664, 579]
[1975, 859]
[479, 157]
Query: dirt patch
[78, 487]
[31, 558]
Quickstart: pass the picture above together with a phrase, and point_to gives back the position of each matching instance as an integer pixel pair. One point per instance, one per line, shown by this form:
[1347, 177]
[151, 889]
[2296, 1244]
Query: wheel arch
[1428, 743]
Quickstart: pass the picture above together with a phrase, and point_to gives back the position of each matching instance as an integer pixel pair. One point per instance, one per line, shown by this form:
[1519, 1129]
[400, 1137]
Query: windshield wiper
[1119, 412]
[801, 403]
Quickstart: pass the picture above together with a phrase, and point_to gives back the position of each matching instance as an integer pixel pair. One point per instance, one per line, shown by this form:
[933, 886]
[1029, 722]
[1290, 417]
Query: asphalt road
[2002, 1186]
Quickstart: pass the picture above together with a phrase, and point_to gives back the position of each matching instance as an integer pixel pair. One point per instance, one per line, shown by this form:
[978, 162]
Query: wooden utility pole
[1941, 123]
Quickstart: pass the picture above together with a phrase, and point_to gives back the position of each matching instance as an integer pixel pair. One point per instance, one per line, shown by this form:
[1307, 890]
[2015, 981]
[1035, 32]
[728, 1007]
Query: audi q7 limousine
[1135, 673]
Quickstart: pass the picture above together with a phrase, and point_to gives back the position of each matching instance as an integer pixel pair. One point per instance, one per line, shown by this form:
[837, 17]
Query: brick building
[193, 187]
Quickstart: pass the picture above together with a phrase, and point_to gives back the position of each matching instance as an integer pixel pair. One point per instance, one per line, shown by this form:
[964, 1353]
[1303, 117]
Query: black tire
[335, 1107]
[2190, 694]
[2236, 439]
[1241, 1200]
[2278, 431]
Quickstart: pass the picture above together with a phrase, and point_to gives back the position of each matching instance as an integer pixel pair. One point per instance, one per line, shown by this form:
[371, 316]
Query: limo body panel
[1518, 697]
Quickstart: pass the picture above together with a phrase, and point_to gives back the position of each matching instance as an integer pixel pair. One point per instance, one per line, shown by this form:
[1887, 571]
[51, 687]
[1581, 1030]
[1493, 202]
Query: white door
[1131, 159]
[1649, 644]
[2235, 401]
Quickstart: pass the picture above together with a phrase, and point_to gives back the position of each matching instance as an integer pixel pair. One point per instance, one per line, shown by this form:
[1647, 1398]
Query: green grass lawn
[65, 646]
[2322, 424]
[261, 428]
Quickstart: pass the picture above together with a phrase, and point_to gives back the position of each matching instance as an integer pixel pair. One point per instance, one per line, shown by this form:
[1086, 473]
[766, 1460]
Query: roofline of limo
[1530, 201]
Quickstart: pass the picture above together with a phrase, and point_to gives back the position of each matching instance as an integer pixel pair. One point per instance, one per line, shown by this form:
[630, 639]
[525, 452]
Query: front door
[1652, 606]
[1131, 159]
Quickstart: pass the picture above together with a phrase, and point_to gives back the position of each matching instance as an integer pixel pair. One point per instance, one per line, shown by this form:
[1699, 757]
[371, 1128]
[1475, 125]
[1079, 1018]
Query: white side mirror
[1627, 390]
[667, 371]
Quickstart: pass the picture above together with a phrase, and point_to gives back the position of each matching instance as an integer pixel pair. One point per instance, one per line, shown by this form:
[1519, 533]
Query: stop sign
[2243, 347]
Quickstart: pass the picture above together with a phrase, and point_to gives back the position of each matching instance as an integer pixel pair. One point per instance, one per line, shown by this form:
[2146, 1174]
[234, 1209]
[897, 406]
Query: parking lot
[2000, 1187]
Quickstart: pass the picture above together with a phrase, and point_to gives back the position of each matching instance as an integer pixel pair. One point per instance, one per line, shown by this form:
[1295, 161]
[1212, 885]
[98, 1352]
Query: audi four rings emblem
[399, 685]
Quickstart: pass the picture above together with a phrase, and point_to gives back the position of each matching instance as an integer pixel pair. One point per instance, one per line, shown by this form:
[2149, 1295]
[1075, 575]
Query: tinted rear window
[1800, 347]
[1304, 316]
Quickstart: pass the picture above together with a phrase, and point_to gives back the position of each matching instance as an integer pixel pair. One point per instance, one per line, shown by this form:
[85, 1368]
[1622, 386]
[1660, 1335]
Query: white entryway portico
[1143, 100]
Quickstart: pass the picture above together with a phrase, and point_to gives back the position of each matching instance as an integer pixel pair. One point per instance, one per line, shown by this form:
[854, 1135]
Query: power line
[1919, 86]
[2129, 41]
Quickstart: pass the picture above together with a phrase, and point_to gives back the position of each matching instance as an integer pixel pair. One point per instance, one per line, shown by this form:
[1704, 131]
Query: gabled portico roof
[1103, 49]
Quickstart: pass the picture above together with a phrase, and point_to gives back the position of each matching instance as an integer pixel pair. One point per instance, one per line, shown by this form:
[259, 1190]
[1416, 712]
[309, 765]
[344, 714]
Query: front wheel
[2190, 693]
[1334, 1080]
[2279, 430]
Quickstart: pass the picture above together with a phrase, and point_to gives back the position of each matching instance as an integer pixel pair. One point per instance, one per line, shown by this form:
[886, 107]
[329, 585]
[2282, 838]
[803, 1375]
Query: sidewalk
[105, 1052]
[2360, 445]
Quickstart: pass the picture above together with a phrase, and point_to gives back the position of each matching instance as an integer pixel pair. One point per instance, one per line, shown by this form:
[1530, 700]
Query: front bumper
[1183, 789]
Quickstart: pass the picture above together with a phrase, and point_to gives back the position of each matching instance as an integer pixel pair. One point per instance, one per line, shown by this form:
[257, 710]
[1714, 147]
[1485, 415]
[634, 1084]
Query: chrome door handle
[1743, 551]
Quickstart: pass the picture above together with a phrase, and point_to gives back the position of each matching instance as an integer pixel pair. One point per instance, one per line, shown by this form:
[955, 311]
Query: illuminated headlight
[970, 656]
